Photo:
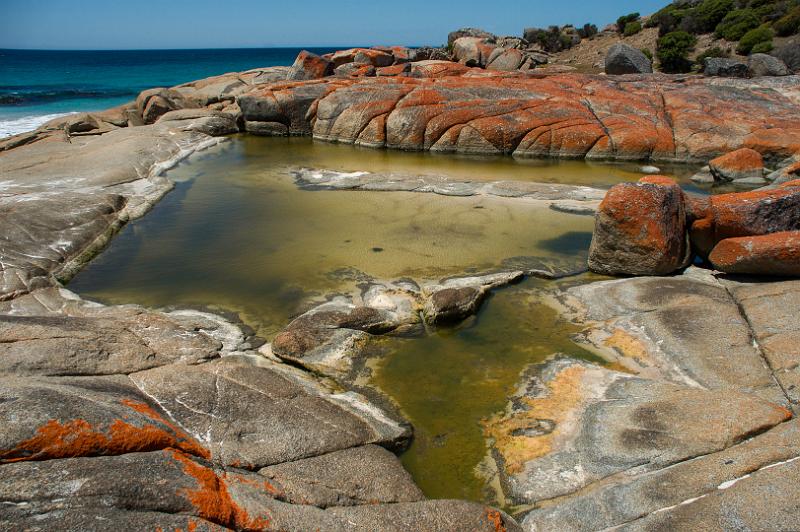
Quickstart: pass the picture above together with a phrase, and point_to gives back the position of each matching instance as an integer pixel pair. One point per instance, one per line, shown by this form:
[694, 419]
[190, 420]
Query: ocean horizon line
[282, 47]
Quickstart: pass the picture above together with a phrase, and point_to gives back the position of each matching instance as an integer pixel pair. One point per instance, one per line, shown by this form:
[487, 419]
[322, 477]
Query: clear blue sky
[129, 24]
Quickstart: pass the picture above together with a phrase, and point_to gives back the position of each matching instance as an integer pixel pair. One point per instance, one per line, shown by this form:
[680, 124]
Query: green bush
[754, 37]
[647, 53]
[789, 24]
[632, 28]
[762, 48]
[710, 13]
[625, 19]
[737, 23]
[673, 51]
[587, 31]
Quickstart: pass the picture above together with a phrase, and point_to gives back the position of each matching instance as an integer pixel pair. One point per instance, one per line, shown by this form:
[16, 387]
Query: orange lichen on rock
[772, 254]
[738, 164]
[211, 498]
[521, 438]
[77, 437]
[496, 520]
[759, 212]
[640, 229]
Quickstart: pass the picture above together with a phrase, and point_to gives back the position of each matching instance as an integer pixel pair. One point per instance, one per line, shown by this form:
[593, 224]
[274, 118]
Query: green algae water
[238, 235]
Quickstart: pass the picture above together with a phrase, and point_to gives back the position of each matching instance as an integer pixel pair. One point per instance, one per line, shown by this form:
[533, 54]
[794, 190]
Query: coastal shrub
[647, 53]
[736, 24]
[625, 20]
[762, 48]
[673, 51]
[788, 24]
[632, 28]
[709, 13]
[551, 40]
[587, 31]
[753, 37]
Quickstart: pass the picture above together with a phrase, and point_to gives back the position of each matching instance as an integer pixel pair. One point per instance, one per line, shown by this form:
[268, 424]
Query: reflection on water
[238, 235]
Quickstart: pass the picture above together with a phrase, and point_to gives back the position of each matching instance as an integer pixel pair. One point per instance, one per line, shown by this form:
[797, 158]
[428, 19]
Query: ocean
[39, 85]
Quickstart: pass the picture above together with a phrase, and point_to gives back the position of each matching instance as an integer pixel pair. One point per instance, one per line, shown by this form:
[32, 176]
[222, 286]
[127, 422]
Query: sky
[160, 24]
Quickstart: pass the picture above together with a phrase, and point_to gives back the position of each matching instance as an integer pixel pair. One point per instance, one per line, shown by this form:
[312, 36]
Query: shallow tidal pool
[238, 235]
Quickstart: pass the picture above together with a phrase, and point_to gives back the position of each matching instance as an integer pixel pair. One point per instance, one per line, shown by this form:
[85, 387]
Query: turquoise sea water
[37, 85]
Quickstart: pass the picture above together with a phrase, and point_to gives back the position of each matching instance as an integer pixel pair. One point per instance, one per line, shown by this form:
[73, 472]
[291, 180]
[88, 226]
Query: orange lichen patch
[793, 183]
[658, 180]
[189, 444]
[739, 161]
[496, 520]
[519, 438]
[772, 254]
[77, 437]
[626, 345]
[211, 498]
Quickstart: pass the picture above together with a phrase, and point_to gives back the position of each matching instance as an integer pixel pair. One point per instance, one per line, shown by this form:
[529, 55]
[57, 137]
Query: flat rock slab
[316, 179]
[252, 417]
[572, 424]
[361, 475]
[643, 499]
[773, 312]
[685, 329]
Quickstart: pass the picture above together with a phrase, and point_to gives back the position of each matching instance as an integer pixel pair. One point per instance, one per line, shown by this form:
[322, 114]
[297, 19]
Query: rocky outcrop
[640, 229]
[625, 59]
[310, 66]
[573, 116]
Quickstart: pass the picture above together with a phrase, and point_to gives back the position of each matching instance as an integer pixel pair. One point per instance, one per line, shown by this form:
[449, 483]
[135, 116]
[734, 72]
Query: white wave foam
[26, 123]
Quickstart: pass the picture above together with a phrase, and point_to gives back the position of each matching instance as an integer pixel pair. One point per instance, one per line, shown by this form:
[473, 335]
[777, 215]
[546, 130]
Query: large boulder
[625, 59]
[153, 103]
[766, 65]
[640, 229]
[453, 36]
[473, 51]
[790, 55]
[772, 254]
[759, 212]
[744, 163]
[310, 66]
[726, 68]
[364, 56]
[505, 59]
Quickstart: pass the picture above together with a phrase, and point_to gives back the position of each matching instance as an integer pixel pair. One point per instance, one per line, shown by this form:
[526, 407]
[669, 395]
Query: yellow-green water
[238, 235]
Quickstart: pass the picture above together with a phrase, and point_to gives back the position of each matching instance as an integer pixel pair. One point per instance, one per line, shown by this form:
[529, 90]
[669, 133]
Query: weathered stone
[640, 229]
[253, 416]
[572, 424]
[453, 304]
[266, 129]
[726, 68]
[287, 104]
[739, 164]
[473, 51]
[310, 66]
[772, 311]
[685, 329]
[625, 59]
[83, 416]
[153, 103]
[400, 69]
[766, 65]
[504, 59]
[641, 493]
[97, 346]
[362, 475]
